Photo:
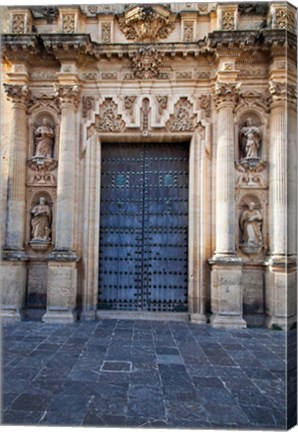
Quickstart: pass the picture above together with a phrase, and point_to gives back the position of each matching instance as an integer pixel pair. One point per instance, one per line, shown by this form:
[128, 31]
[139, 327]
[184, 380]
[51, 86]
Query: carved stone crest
[146, 63]
[183, 119]
[147, 23]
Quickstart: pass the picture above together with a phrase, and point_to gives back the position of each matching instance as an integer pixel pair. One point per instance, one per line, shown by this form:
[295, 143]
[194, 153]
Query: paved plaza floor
[143, 374]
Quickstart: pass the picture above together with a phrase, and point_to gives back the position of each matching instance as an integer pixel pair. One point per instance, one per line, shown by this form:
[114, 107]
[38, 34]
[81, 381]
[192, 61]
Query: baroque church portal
[149, 162]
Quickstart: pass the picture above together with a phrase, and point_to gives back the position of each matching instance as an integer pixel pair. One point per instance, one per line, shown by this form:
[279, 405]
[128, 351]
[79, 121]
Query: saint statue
[44, 140]
[250, 137]
[251, 224]
[41, 220]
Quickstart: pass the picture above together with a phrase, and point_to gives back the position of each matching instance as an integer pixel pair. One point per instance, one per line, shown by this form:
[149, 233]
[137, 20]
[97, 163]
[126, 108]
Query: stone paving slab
[143, 374]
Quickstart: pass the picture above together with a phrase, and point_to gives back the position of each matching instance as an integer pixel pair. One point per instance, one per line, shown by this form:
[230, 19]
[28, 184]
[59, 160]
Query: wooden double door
[143, 258]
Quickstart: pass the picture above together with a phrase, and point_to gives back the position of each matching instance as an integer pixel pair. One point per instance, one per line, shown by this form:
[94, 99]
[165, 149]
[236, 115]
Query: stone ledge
[63, 256]
[228, 259]
[14, 255]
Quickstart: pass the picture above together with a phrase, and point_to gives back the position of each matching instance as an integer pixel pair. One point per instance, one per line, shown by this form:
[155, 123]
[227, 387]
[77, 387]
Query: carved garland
[146, 63]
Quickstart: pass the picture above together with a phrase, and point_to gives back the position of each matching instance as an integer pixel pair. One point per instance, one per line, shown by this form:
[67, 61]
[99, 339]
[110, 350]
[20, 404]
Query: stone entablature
[78, 76]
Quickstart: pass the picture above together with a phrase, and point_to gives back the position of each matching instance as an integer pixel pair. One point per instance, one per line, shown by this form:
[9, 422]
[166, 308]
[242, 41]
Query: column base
[275, 323]
[59, 317]
[11, 314]
[227, 321]
[198, 318]
[88, 315]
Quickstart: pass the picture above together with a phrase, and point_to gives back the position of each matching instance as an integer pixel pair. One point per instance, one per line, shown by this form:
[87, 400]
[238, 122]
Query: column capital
[68, 94]
[226, 93]
[281, 92]
[17, 93]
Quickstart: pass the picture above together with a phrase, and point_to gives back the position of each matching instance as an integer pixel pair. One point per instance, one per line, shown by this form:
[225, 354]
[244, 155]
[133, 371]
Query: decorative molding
[162, 102]
[252, 73]
[228, 20]
[93, 9]
[48, 12]
[44, 102]
[147, 23]
[18, 25]
[146, 63]
[184, 75]
[106, 32]
[285, 19]
[183, 119]
[188, 31]
[41, 177]
[87, 105]
[129, 103]
[108, 119]
[68, 23]
[226, 92]
[205, 104]
[89, 76]
[108, 76]
[44, 75]
[250, 170]
[203, 75]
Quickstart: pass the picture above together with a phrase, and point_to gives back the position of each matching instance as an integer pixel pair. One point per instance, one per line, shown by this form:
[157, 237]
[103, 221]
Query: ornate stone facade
[218, 79]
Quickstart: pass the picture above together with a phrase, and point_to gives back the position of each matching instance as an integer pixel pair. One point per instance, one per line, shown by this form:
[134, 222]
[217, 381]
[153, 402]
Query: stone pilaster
[62, 271]
[226, 290]
[281, 262]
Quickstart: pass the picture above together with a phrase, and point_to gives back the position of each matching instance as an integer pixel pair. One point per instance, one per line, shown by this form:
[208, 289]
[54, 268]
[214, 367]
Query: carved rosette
[146, 63]
[226, 93]
[282, 92]
[108, 120]
[68, 94]
[147, 23]
[183, 119]
[17, 93]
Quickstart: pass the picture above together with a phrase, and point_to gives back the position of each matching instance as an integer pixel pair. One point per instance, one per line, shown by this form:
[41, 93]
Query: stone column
[13, 269]
[226, 290]
[91, 228]
[18, 94]
[281, 262]
[68, 151]
[62, 274]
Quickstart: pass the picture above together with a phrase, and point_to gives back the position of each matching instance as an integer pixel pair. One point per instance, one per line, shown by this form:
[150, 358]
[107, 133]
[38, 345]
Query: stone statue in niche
[250, 140]
[41, 221]
[251, 226]
[44, 140]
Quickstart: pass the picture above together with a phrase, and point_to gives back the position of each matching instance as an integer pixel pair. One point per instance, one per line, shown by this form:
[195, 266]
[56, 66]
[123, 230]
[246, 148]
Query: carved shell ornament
[147, 23]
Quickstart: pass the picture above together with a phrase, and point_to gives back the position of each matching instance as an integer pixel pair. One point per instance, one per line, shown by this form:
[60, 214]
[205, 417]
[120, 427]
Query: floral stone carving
[109, 120]
[147, 23]
[146, 63]
[183, 119]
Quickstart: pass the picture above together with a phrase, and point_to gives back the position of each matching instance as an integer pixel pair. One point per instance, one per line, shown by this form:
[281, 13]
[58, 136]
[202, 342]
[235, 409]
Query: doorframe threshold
[143, 315]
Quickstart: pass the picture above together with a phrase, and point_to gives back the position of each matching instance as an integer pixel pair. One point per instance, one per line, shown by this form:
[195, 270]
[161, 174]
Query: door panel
[144, 219]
